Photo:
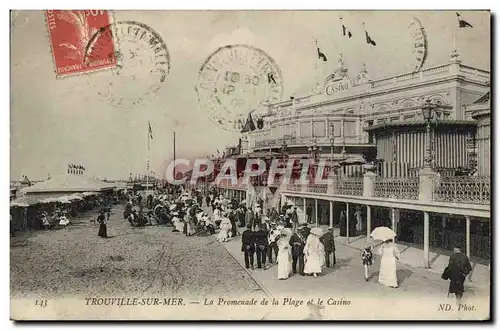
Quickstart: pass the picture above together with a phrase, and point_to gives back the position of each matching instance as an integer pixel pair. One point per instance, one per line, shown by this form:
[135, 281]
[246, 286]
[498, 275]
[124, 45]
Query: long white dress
[217, 215]
[225, 228]
[387, 275]
[178, 224]
[314, 253]
[359, 221]
[284, 258]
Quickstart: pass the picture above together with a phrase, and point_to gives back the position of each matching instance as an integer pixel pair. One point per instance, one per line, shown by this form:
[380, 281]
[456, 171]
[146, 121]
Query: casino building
[409, 151]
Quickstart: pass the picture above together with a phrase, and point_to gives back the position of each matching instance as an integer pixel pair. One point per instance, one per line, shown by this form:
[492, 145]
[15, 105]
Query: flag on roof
[346, 32]
[369, 40]
[249, 125]
[150, 130]
[462, 23]
[321, 55]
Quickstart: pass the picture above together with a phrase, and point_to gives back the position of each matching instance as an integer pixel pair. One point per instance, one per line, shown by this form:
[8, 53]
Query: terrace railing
[398, 188]
[349, 186]
[454, 189]
[463, 189]
[317, 188]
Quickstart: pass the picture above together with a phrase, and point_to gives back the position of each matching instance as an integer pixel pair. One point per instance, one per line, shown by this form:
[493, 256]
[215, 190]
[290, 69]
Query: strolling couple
[254, 243]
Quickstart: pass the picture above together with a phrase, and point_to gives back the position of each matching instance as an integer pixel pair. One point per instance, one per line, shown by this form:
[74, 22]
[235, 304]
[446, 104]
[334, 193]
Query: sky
[59, 121]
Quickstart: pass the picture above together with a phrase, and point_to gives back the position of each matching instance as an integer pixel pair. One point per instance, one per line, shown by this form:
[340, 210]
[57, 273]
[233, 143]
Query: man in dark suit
[305, 231]
[273, 214]
[297, 243]
[248, 246]
[329, 244]
[249, 217]
[309, 212]
[232, 218]
[458, 269]
[261, 246]
[274, 235]
[240, 215]
[295, 219]
[257, 220]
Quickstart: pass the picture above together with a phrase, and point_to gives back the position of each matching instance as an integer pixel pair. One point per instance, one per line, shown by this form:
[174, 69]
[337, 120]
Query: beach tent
[64, 185]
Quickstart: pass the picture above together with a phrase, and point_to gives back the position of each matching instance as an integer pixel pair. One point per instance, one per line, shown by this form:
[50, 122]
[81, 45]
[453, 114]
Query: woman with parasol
[389, 253]
[314, 253]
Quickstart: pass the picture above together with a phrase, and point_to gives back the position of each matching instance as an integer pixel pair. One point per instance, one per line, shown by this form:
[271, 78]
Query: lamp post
[332, 144]
[428, 111]
[314, 150]
[283, 148]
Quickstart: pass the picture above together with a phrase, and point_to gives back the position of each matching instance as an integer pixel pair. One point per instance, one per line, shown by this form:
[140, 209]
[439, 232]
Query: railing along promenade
[456, 189]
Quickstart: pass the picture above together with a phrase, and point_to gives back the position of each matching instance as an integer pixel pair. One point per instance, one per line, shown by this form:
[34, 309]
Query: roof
[68, 183]
[483, 99]
[20, 202]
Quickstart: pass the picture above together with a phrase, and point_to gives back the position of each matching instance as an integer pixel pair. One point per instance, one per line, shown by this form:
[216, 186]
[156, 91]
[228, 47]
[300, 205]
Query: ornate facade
[482, 114]
[360, 122]
[347, 109]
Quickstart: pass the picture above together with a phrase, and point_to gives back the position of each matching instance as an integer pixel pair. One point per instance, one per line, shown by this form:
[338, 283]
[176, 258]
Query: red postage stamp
[71, 32]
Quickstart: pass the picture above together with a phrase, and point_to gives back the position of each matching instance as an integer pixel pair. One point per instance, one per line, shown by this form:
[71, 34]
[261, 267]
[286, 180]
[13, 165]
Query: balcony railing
[349, 186]
[403, 188]
[294, 187]
[317, 188]
[463, 189]
[454, 189]
[300, 141]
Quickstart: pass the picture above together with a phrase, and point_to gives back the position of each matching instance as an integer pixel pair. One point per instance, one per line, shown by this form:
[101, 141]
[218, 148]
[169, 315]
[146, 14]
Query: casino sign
[338, 86]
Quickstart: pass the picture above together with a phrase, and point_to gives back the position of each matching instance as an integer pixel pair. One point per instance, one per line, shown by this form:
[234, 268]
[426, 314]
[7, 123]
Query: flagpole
[364, 29]
[455, 39]
[174, 155]
[149, 157]
[341, 32]
[315, 90]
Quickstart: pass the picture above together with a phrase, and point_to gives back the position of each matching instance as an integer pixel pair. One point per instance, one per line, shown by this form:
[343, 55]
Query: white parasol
[383, 234]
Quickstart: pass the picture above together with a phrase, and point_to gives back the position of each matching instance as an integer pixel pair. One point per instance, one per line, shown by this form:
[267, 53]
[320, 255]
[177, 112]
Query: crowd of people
[271, 237]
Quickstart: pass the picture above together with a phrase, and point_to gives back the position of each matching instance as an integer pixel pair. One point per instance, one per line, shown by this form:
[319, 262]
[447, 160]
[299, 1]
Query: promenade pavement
[346, 282]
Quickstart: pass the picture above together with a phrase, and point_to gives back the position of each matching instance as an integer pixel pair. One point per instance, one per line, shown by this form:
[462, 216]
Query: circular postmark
[142, 62]
[237, 79]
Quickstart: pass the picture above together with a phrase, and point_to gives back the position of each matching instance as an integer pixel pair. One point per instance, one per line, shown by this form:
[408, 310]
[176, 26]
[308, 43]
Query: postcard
[250, 165]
